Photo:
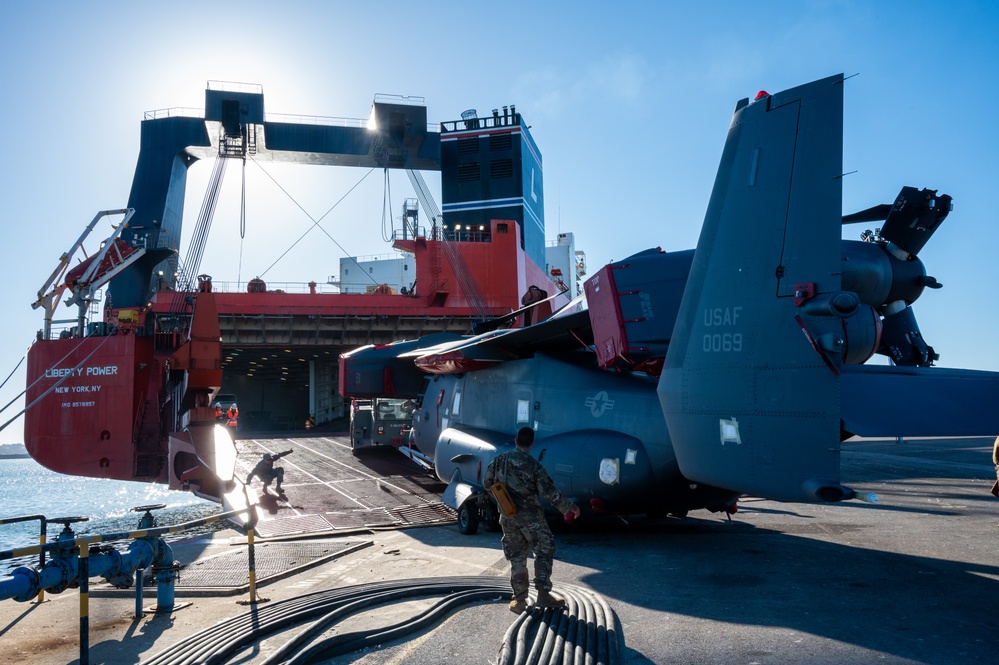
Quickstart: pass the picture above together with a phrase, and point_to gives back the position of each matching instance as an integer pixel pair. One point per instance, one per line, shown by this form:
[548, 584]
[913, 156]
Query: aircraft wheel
[468, 518]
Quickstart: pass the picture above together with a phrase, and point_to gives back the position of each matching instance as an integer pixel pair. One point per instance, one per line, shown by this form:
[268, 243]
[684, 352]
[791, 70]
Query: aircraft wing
[560, 333]
[398, 369]
[749, 403]
[883, 400]
[385, 370]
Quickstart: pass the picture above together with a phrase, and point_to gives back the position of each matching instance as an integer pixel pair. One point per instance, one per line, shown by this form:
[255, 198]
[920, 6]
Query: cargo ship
[127, 389]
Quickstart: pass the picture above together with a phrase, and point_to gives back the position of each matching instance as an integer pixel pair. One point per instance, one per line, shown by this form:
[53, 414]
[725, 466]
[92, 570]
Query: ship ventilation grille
[500, 142]
[501, 168]
[468, 172]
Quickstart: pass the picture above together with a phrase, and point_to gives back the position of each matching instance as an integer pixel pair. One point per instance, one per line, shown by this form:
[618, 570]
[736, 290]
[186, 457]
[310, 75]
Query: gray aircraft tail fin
[751, 402]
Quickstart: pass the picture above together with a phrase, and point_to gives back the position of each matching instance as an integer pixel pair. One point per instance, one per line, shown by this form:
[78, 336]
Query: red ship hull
[87, 397]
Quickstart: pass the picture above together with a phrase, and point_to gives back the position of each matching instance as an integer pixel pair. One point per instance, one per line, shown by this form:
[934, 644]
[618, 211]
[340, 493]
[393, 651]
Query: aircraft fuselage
[595, 435]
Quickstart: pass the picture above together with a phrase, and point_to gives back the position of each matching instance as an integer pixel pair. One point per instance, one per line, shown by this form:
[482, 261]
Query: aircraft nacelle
[879, 277]
[467, 452]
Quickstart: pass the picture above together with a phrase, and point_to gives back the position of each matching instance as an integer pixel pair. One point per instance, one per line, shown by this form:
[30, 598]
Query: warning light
[761, 94]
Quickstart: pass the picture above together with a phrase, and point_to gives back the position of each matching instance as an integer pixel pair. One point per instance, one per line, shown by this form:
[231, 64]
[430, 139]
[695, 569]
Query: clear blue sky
[628, 101]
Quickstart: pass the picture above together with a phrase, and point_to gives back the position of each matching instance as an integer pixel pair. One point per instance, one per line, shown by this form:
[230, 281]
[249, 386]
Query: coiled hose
[583, 632]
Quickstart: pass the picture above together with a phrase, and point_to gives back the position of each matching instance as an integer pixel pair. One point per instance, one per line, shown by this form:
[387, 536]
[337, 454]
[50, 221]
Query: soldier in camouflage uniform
[527, 483]
[266, 471]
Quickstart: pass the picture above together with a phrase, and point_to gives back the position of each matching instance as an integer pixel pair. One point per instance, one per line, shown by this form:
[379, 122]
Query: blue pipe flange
[164, 554]
[66, 574]
[118, 575]
[167, 573]
[141, 554]
[30, 577]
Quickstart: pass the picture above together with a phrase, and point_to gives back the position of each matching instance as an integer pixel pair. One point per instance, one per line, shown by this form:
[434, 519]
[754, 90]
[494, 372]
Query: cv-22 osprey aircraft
[690, 378]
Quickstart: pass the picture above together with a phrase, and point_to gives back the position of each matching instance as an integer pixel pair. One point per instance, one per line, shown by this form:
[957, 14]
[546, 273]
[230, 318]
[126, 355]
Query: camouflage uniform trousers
[522, 534]
[269, 476]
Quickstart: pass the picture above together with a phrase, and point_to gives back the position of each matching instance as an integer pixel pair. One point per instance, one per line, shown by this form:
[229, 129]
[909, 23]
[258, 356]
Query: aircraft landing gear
[468, 517]
[492, 524]
[488, 514]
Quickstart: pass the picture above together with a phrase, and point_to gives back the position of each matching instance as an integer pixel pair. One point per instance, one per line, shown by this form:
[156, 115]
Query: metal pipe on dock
[62, 570]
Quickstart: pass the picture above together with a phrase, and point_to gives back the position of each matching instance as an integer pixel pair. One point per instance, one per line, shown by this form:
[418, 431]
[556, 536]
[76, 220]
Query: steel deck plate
[271, 560]
[328, 489]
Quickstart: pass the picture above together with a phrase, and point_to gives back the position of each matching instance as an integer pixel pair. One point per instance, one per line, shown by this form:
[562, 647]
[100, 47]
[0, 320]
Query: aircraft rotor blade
[878, 213]
[914, 217]
[902, 341]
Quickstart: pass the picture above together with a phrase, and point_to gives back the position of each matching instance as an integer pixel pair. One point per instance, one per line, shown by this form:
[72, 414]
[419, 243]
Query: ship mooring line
[13, 370]
[40, 377]
[54, 385]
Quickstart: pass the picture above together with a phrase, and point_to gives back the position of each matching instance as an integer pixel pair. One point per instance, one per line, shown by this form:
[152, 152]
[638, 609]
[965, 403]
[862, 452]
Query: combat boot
[548, 599]
[518, 605]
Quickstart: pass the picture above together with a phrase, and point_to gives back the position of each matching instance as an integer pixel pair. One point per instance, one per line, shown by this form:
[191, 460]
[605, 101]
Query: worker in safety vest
[218, 411]
[232, 416]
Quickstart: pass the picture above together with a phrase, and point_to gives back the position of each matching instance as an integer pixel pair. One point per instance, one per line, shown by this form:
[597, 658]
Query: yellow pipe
[253, 572]
[84, 576]
[41, 592]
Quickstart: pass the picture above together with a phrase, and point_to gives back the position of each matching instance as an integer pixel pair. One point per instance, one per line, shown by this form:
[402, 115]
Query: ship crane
[115, 255]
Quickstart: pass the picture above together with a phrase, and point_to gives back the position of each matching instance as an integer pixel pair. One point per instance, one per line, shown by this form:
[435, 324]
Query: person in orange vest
[310, 422]
[233, 412]
[218, 411]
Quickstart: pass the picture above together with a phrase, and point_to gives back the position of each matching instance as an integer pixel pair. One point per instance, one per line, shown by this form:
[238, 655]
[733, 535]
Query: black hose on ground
[364, 600]
[583, 631]
[339, 645]
[579, 633]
